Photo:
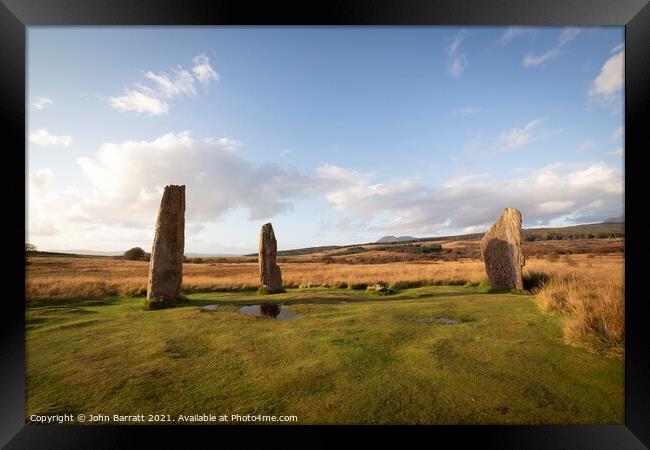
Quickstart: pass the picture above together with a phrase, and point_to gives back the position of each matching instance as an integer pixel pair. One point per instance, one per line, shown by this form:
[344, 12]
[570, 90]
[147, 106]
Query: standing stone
[166, 264]
[270, 275]
[501, 251]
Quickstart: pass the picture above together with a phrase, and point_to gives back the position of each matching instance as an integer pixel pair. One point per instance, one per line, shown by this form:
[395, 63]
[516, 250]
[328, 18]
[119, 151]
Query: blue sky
[335, 135]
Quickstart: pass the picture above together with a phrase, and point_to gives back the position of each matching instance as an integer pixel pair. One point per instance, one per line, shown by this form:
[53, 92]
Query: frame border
[17, 15]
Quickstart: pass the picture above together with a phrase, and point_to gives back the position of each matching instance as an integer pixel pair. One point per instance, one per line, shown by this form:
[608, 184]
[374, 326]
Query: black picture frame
[16, 15]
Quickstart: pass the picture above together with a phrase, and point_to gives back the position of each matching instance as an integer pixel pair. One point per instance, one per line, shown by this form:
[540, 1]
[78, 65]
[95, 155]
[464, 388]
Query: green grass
[352, 358]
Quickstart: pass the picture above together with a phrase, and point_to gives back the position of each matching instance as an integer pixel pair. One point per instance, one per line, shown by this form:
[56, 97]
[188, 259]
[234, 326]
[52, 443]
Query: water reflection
[279, 312]
[445, 320]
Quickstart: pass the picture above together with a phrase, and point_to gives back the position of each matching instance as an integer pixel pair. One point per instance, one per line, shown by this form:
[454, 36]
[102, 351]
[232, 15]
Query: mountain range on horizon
[387, 239]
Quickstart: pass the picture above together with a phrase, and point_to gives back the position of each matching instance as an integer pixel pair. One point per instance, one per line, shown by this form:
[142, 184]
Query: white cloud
[457, 60]
[125, 182]
[478, 148]
[203, 70]
[41, 102]
[44, 138]
[609, 81]
[467, 111]
[140, 102]
[556, 191]
[618, 133]
[520, 137]
[49, 210]
[151, 99]
[181, 84]
[567, 35]
[128, 178]
[532, 60]
[586, 145]
[619, 47]
[513, 32]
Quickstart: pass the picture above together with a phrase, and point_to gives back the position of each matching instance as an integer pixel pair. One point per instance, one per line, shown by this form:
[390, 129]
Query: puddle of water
[209, 308]
[420, 319]
[279, 312]
[445, 320]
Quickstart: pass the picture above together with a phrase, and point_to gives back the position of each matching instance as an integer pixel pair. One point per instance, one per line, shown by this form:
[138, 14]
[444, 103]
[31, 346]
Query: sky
[336, 135]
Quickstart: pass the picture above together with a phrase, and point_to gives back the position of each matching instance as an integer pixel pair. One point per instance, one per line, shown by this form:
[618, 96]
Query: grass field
[85, 278]
[351, 358]
[586, 289]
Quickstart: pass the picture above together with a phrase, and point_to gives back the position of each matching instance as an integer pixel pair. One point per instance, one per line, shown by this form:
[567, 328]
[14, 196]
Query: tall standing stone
[501, 251]
[166, 264]
[270, 275]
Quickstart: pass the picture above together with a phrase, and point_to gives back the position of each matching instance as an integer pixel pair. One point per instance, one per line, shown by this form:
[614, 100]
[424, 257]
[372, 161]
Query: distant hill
[588, 231]
[65, 254]
[86, 252]
[612, 228]
[388, 239]
[303, 251]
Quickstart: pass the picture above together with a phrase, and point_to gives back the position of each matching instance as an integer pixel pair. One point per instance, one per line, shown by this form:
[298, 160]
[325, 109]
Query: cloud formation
[41, 102]
[566, 36]
[586, 145]
[609, 82]
[141, 101]
[126, 181]
[181, 83]
[478, 149]
[557, 191]
[513, 32]
[44, 138]
[153, 99]
[128, 178]
[457, 60]
[202, 69]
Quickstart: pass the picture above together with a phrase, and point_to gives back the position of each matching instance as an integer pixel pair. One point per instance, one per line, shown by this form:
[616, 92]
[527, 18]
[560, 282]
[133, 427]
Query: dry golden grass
[588, 291]
[592, 303]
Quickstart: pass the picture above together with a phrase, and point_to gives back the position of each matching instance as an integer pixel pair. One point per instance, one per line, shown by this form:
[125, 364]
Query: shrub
[378, 289]
[593, 310]
[134, 254]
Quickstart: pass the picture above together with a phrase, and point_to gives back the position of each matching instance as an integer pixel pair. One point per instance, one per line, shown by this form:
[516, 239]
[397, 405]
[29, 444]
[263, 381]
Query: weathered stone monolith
[166, 264]
[501, 251]
[270, 275]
